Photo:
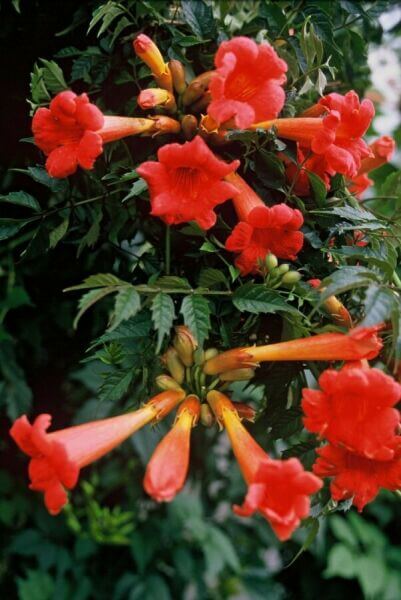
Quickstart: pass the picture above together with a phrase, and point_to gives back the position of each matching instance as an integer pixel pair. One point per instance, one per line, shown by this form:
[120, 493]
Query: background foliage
[85, 363]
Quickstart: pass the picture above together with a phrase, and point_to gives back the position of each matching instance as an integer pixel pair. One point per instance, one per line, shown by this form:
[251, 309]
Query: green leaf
[138, 187]
[353, 214]
[134, 328]
[319, 191]
[379, 304]
[219, 552]
[127, 304]
[372, 575]
[36, 586]
[310, 538]
[57, 234]
[21, 199]
[170, 282]
[199, 17]
[105, 13]
[210, 278]
[115, 384]
[196, 313]
[9, 227]
[163, 315]
[347, 278]
[89, 299]
[340, 563]
[257, 298]
[53, 76]
[342, 530]
[98, 280]
[92, 235]
[14, 391]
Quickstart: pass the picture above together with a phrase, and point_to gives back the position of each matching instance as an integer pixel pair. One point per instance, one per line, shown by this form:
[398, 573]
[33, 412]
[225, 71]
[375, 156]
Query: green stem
[168, 249]
[396, 280]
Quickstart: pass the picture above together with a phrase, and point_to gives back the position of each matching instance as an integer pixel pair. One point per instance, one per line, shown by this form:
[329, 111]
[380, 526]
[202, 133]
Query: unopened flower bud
[206, 416]
[165, 382]
[238, 375]
[282, 269]
[153, 97]
[185, 344]
[211, 353]
[271, 261]
[202, 103]
[189, 125]
[174, 365]
[291, 278]
[245, 411]
[178, 75]
[197, 88]
[147, 51]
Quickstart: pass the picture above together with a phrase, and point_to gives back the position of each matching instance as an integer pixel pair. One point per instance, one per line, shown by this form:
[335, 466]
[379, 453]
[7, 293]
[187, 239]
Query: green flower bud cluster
[279, 275]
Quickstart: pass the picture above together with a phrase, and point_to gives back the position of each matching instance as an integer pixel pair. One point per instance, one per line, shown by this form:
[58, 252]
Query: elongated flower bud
[185, 344]
[197, 88]
[202, 103]
[147, 51]
[357, 344]
[291, 278]
[167, 469]
[206, 416]
[163, 125]
[154, 97]
[238, 375]
[334, 307]
[178, 74]
[165, 382]
[57, 457]
[189, 125]
[174, 364]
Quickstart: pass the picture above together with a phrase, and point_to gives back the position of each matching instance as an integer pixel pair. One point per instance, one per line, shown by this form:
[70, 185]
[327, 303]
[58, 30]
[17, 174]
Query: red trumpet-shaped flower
[354, 408]
[262, 230]
[355, 476]
[278, 489]
[57, 457]
[71, 132]
[247, 84]
[186, 184]
[358, 344]
[167, 469]
[337, 136]
[382, 150]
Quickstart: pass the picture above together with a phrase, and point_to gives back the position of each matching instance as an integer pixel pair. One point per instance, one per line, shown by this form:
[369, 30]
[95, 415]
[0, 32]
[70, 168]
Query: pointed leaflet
[196, 313]
[162, 316]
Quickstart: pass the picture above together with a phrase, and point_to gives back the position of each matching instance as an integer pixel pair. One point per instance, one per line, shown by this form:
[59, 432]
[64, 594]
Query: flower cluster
[354, 411]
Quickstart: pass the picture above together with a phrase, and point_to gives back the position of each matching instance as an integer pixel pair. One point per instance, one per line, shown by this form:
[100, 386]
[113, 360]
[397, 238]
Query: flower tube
[167, 469]
[359, 343]
[278, 489]
[57, 457]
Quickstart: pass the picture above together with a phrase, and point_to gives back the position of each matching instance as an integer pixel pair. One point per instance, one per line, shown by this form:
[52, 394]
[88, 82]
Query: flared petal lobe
[354, 408]
[246, 86]
[66, 133]
[57, 457]
[187, 183]
[167, 469]
[355, 476]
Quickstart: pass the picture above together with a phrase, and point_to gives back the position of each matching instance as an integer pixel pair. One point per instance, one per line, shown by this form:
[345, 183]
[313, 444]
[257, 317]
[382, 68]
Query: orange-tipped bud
[185, 344]
[174, 365]
[238, 375]
[165, 382]
[147, 51]
[178, 74]
[245, 412]
[206, 416]
[197, 88]
[167, 469]
[116, 128]
[163, 125]
[153, 97]
[334, 307]
[357, 344]
[189, 125]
